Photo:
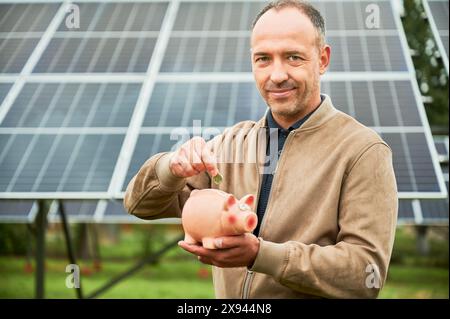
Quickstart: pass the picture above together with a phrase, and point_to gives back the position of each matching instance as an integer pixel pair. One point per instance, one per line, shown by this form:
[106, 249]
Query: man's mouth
[282, 93]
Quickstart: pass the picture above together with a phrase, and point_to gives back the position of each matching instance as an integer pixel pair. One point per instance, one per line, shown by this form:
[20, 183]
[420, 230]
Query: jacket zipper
[249, 274]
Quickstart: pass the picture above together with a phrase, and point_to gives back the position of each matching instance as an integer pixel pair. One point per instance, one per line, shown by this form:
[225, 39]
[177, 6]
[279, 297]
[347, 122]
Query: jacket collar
[320, 116]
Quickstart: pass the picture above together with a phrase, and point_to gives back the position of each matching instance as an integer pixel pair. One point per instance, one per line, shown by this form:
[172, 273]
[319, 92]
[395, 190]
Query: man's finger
[229, 241]
[210, 161]
[187, 168]
[194, 249]
[205, 260]
[197, 161]
[188, 151]
[192, 147]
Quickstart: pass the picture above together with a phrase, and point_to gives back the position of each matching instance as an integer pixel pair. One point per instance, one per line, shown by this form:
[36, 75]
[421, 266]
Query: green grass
[179, 275]
[415, 282]
[180, 279]
[168, 279]
[412, 275]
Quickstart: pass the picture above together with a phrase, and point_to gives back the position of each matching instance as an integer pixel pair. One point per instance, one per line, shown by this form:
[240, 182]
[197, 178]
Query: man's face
[287, 62]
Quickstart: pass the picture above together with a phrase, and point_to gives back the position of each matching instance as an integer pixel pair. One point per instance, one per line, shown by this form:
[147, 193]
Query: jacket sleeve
[154, 192]
[356, 266]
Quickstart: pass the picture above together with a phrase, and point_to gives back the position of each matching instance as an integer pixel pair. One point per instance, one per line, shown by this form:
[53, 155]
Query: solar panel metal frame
[436, 32]
[152, 76]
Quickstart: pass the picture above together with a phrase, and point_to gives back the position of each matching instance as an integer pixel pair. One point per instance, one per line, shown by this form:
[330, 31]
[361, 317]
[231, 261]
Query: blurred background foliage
[431, 75]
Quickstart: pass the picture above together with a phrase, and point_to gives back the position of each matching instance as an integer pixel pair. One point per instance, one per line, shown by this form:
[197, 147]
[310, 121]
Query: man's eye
[262, 59]
[294, 58]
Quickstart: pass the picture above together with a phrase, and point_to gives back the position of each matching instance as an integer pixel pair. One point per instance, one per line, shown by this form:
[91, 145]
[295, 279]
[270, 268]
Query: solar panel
[42, 163]
[147, 145]
[434, 211]
[442, 148]
[4, 89]
[95, 54]
[216, 16]
[13, 211]
[424, 211]
[412, 162]
[120, 16]
[14, 53]
[26, 17]
[216, 104]
[376, 103]
[95, 102]
[207, 54]
[78, 211]
[114, 212]
[238, 15]
[367, 53]
[429, 211]
[405, 212]
[73, 105]
[437, 12]
[83, 211]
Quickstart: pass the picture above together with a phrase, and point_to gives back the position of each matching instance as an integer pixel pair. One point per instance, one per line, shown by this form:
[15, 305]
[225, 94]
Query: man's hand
[192, 158]
[232, 251]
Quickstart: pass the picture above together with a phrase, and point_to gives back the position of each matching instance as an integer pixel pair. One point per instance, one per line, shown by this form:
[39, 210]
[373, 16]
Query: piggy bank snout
[250, 221]
[243, 221]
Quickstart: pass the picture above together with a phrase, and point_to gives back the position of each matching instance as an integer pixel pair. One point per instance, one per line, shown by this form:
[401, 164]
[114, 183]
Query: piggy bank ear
[231, 200]
[249, 200]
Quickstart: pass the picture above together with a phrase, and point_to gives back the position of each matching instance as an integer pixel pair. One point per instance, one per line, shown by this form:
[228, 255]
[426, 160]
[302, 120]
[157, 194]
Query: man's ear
[324, 59]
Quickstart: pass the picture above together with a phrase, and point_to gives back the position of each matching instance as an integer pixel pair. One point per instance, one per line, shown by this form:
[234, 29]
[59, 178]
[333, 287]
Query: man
[327, 212]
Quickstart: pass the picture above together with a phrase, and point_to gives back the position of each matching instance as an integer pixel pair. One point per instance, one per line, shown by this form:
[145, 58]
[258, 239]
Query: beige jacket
[329, 226]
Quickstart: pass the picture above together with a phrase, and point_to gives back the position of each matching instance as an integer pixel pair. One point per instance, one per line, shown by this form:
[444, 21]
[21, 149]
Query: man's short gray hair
[306, 8]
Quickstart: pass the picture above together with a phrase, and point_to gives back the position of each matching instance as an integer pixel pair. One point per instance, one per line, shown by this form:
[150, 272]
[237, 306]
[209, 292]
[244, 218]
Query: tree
[430, 72]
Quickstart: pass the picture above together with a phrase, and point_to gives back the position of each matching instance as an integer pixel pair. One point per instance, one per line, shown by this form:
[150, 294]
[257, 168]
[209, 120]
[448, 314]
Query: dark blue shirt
[274, 129]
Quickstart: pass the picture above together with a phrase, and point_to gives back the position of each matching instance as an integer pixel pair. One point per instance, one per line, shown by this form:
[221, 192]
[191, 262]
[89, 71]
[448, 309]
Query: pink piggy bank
[212, 213]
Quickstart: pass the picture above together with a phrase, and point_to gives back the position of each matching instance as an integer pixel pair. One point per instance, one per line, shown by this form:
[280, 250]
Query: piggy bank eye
[243, 206]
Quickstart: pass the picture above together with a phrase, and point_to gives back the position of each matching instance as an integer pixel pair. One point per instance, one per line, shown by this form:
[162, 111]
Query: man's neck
[287, 122]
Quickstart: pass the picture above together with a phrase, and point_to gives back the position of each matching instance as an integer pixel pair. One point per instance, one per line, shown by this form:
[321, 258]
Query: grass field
[178, 275]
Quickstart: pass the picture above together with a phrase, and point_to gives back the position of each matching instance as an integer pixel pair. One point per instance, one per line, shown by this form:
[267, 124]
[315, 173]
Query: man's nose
[278, 74]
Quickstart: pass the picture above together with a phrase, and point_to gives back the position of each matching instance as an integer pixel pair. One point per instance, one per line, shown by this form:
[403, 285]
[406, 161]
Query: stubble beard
[298, 106]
